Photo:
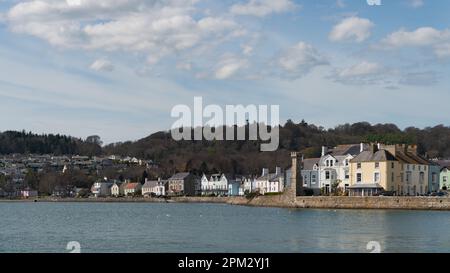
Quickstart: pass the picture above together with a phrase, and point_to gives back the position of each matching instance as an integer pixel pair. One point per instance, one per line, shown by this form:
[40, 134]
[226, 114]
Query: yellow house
[397, 169]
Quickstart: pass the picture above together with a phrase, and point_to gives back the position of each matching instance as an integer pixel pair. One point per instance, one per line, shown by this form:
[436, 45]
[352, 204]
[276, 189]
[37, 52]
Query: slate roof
[309, 163]
[152, 183]
[179, 176]
[346, 149]
[368, 156]
[443, 163]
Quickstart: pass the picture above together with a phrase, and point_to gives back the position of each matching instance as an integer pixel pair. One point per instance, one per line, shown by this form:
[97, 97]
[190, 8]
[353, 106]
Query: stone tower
[296, 184]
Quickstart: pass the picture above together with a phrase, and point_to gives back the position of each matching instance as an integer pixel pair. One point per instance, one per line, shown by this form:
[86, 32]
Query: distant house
[235, 189]
[310, 174]
[397, 169]
[154, 187]
[445, 178]
[28, 192]
[270, 182]
[61, 191]
[181, 184]
[434, 172]
[101, 188]
[216, 184]
[334, 166]
[248, 185]
[117, 189]
[132, 189]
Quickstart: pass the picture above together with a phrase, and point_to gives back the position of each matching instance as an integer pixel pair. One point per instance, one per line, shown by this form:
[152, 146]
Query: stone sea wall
[333, 202]
[285, 201]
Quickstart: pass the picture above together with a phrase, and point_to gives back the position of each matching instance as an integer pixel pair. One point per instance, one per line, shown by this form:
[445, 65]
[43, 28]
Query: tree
[95, 139]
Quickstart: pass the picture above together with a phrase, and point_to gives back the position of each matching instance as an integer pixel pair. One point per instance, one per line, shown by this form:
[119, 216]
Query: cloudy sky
[117, 67]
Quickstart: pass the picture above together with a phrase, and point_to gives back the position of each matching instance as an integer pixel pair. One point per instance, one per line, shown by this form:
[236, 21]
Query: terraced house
[216, 184]
[334, 166]
[397, 169]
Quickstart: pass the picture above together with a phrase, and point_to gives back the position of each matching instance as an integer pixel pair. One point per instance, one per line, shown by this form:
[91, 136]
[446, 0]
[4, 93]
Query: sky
[116, 68]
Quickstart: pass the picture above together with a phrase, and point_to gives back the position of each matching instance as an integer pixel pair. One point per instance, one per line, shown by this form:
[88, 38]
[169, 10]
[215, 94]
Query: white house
[217, 184]
[269, 182]
[156, 187]
[334, 166]
[117, 189]
[27, 193]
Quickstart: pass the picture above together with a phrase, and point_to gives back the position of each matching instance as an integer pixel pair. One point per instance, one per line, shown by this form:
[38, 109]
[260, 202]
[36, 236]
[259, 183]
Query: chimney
[265, 171]
[373, 147]
[361, 147]
[378, 146]
[412, 149]
[277, 170]
[324, 150]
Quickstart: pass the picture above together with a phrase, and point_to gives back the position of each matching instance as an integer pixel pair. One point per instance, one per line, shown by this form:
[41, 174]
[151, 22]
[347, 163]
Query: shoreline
[280, 201]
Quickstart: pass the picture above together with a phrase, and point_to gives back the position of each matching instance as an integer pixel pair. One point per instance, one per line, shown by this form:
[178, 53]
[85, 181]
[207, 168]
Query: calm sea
[149, 227]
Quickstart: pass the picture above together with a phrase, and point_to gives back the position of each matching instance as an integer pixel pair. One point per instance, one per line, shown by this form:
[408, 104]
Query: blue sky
[117, 67]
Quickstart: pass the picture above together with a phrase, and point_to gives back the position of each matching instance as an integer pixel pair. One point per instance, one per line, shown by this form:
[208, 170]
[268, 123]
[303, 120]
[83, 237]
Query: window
[327, 175]
[358, 165]
[358, 178]
[421, 177]
[424, 168]
[377, 165]
[376, 177]
[402, 179]
[444, 178]
[347, 175]
[346, 162]
[408, 177]
[392, 165]
[392, 177]
[414, 167]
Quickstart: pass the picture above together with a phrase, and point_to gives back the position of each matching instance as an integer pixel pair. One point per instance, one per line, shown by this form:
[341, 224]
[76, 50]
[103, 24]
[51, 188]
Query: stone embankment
[285, 201]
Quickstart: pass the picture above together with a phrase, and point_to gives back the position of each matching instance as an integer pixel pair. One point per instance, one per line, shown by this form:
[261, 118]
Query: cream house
[397, 169]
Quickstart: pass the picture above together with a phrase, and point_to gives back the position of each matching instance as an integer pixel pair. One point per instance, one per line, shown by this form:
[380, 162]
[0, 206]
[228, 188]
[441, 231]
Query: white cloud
[102, 65]
[438, 40]
[363, 73]
[262, 8]
[155, 28]
[299, 60]
[361, 69]
[351, 29]
[423, 36]
[229, 66]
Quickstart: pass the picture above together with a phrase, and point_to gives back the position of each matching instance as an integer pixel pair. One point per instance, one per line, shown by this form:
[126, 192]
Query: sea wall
[384, 202]
[285, 201]
[331, 202]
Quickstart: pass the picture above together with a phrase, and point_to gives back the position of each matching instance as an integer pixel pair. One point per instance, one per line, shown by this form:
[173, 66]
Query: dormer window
[377, 165]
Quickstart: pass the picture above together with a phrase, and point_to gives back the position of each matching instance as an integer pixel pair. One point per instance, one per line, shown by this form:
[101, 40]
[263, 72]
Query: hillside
[245, 157]
[12, 142]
